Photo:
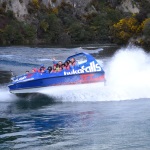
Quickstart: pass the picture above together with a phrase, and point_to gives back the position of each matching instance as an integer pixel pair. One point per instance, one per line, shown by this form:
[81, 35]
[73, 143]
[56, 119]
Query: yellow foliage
[144, 23]
[126, 28]
[130, 24]
[1, 31]
[124, 35]
[141, 41]
[36, 3]
[55, 10]
[44, 25]
[146, 27]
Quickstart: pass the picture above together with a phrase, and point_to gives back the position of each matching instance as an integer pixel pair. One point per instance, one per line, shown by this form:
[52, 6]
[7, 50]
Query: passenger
[63, 66]
[49, 69]
[58, 68]
[67, 67]
[59, 63]
[27, 72]
[70, 64]
[34, 70]
[73, 61]
[42, 68]
[54, 69]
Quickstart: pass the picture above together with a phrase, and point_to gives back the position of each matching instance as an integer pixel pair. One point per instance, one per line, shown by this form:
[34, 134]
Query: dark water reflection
[31, 124]
[33, 101]
[27, 125]
[7, 126]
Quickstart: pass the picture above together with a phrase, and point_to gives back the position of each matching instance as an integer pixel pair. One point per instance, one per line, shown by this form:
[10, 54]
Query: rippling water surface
[116, 116]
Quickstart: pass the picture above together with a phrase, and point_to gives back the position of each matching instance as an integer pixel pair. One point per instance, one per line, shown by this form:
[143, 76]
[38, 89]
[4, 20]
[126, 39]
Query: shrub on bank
[125, 29]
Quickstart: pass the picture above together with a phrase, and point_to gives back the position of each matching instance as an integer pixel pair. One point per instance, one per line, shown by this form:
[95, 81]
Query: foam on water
[6, 96]
[127, 75]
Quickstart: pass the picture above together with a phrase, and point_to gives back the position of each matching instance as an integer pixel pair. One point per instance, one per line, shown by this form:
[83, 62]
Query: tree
[29, 33]
[77, 32]
[146, 27]
[12, 34]
[125, 29]
[52, 28]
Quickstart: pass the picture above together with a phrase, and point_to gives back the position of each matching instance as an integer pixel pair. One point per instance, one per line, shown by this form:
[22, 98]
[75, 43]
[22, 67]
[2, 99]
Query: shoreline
[61, 46]
[91, 46]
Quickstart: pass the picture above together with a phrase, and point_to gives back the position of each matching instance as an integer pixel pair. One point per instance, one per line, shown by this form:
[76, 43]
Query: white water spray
[6, 96]
[128, 73]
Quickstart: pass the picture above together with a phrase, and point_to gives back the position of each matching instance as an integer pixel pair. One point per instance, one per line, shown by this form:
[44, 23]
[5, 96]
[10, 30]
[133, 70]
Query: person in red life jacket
[34, 70]
[66, 65]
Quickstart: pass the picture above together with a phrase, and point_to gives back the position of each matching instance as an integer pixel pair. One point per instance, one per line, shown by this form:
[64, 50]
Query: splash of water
[128, 72]
[6, 96]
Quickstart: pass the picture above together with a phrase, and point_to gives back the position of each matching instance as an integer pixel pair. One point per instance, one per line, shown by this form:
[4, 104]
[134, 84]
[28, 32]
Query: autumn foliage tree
[146, 27]
[125, 29]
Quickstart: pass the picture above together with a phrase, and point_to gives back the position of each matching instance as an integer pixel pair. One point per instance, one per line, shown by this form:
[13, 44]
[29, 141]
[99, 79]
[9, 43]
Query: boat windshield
[81, 59]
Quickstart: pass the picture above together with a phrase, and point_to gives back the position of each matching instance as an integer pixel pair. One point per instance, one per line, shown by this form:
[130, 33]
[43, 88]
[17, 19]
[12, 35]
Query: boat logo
[92, 68]
[24, 78]
[20, 79]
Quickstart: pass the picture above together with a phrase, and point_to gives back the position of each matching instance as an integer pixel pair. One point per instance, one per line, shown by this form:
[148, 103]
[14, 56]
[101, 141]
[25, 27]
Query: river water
[113, 117]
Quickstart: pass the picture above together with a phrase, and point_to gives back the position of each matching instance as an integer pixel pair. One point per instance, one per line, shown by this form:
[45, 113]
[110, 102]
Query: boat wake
[127, 78]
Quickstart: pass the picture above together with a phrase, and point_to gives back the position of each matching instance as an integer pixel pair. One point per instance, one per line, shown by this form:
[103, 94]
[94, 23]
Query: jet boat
[87, 70]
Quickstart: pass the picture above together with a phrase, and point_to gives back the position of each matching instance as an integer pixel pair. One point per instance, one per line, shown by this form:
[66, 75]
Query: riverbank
[66, 23]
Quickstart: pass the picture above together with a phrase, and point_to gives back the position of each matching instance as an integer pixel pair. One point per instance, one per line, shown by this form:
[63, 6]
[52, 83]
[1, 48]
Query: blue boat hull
[22, 87]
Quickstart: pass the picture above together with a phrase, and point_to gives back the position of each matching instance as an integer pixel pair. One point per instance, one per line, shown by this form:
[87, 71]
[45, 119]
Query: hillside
[74, 21]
